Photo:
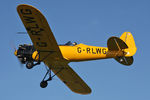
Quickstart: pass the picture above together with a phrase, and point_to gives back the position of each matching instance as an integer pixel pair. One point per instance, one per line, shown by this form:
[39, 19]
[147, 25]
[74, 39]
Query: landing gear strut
[44, 82]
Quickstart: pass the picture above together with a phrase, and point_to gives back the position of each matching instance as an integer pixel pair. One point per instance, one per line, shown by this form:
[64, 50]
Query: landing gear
[29, 64]
[43, 84]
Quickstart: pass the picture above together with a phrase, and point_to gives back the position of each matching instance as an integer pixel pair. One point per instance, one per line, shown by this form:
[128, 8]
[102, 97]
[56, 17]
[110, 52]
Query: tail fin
[122, 49]
[129, 40]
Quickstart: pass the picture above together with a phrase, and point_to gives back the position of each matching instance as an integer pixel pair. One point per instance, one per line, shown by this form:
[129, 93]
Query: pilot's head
[74, 43]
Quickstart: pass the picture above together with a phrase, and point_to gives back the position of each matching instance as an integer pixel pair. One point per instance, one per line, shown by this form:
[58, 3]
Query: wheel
[43, 84]
[29, 65]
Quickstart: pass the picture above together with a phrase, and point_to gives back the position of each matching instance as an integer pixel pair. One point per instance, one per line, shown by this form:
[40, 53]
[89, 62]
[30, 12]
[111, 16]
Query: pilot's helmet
[74, 43]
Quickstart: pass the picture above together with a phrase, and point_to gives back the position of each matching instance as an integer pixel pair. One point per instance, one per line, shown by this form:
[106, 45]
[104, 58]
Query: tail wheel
[29, 65]
[43, 84]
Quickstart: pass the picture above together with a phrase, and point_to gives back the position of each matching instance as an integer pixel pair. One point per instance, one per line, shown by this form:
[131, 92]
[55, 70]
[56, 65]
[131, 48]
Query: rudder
[129, 40]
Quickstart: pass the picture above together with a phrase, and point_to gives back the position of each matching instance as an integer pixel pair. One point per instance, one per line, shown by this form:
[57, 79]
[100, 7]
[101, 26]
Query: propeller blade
[12, 45]
[20, 63]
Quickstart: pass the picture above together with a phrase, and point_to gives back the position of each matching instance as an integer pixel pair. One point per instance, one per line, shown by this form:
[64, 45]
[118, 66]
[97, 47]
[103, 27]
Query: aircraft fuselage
[83, 52]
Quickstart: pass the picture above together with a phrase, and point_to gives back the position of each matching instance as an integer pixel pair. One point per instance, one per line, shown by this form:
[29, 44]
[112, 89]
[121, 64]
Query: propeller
[12, 43]
[13, 47]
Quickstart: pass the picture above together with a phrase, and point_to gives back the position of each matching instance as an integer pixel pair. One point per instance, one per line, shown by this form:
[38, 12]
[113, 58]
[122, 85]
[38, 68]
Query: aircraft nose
[15, 53]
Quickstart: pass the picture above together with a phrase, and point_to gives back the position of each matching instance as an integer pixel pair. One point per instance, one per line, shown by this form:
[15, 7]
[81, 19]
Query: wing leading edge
[44, 42]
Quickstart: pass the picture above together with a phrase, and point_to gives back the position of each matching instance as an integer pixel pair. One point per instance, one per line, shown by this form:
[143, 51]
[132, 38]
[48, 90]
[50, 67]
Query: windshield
[69, 43]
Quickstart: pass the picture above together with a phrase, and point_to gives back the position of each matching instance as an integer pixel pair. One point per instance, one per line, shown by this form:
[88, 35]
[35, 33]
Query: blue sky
[90, 22]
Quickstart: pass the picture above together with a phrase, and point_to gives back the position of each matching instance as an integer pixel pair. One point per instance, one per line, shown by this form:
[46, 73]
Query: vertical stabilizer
[129, 40]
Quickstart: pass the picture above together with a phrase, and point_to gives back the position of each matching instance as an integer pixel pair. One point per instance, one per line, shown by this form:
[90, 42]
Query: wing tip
[86, 92]
[25, 6]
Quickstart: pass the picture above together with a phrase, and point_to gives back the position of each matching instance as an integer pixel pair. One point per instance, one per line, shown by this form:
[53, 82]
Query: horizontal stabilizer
[115, 47]
[124, 60]
[116, 44]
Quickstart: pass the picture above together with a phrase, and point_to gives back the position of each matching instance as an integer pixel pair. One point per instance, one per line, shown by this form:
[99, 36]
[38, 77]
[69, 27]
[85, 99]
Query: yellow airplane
[56, 57]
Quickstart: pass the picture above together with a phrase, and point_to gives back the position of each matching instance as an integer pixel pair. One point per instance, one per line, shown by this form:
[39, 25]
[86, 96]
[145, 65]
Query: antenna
[21, 32]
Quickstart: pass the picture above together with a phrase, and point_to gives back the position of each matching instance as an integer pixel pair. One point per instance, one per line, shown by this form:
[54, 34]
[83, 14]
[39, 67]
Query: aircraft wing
[69, 77]
[45, 43]
[39, 31]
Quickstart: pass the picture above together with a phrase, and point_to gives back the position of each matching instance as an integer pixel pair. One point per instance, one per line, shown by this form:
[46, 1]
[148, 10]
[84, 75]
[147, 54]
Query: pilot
[74, 43]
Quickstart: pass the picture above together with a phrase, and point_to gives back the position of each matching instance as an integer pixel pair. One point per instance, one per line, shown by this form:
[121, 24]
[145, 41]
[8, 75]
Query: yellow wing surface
[45, 43]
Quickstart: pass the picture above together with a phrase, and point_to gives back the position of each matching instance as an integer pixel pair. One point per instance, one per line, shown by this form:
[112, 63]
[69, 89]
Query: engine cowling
[35, 56]
[24, 53]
